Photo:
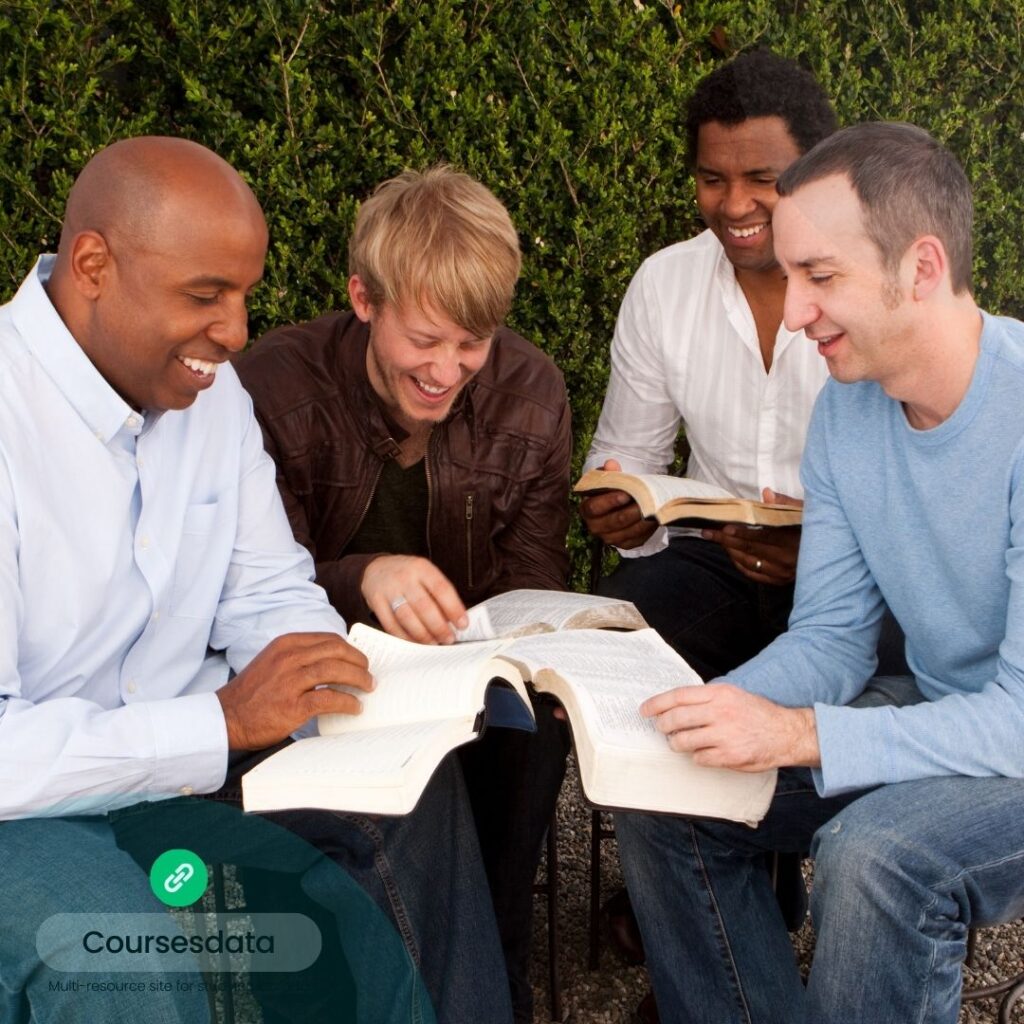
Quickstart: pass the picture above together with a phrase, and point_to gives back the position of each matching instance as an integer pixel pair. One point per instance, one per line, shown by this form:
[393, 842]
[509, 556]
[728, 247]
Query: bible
[430, 700]
[670, 499]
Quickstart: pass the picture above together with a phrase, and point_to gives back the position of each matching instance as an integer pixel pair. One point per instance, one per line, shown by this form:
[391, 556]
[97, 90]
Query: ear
[360, 299]
[89, 263]
[931, 267]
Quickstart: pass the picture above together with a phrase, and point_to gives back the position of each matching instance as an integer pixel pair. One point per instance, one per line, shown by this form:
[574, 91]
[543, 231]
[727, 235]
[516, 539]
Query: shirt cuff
[855, 745]
[191, 743]
[657, 541]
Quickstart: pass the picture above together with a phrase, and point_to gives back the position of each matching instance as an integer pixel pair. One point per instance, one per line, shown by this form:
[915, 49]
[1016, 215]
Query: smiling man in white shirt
[158, 622]
[700, 341]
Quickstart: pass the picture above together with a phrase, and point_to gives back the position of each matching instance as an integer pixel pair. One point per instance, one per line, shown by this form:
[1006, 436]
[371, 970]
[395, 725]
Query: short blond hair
[442, 237]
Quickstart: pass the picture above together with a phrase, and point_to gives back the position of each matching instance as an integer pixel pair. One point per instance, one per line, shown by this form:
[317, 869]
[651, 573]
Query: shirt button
[139, 462]
[144, 543]
[186, 791]
[131, 687]
[154, 617]
[133, 421]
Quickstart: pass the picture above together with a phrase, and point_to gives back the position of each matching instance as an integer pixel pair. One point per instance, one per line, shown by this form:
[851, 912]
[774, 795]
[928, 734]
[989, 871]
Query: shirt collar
[63, 359]
[738, 309]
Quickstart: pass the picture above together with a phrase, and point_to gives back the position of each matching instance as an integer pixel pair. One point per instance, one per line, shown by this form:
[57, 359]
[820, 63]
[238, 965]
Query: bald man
[159, 629]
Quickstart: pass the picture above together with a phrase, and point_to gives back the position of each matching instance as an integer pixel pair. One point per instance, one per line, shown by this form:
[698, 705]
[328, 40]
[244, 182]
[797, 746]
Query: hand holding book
[764, 556]
[614, 516]
[672, 499]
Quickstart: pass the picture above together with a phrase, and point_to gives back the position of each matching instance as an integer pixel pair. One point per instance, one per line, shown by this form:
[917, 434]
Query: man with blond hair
[423, 455]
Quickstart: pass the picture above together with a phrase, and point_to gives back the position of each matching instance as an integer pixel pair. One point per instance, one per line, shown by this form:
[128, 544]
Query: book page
[524, 612]
[415, 682]
[382, 752]
[665, 488]
[612, 674]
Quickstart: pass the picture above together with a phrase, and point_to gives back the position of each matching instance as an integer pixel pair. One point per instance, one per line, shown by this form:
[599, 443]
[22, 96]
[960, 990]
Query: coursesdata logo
[178, 878]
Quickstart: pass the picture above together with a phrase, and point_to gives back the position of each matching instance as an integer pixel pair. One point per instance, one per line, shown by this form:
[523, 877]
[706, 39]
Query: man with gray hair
[909, 797]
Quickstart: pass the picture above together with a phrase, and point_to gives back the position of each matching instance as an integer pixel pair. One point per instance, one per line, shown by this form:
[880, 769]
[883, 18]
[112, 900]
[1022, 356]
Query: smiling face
[737, 166]
[838, 290]
[418, 360]
[169, 309]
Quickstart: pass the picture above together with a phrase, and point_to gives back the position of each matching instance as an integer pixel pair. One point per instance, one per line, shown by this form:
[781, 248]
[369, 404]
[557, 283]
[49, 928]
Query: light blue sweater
[931, 522]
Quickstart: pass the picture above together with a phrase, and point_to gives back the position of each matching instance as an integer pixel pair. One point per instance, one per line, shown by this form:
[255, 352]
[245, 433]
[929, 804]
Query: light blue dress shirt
[141, 557]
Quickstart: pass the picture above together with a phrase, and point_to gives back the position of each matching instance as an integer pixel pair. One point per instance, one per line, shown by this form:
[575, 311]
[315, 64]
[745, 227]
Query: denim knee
[861, 864]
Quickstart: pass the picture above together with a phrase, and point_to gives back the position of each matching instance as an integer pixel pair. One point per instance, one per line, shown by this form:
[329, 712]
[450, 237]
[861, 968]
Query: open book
[669, 499]
[430, 699]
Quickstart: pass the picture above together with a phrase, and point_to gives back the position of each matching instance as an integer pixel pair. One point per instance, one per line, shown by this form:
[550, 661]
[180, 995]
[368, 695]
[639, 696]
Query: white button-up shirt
[141, 556]
[686, 350]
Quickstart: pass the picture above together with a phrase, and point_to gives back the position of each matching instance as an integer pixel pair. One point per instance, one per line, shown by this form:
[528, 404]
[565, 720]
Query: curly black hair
[761, 84]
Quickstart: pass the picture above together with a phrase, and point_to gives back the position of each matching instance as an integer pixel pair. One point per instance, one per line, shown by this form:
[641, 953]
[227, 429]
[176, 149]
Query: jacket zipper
[430, 491]
[362, 515]
[469, 539]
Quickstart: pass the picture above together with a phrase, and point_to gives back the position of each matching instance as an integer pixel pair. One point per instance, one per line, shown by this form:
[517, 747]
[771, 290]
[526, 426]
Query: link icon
[178, 878]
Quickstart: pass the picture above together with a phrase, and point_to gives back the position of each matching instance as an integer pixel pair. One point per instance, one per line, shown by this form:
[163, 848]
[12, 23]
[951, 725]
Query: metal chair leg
[554, 938]
[598, 833]
[549, 889]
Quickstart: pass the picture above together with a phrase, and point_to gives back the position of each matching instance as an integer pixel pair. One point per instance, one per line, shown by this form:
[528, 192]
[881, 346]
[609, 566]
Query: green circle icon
[178, 878]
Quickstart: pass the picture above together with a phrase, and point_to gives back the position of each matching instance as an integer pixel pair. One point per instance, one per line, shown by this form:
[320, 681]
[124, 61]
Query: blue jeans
[416, 930]
[73, 866]
[901, 873]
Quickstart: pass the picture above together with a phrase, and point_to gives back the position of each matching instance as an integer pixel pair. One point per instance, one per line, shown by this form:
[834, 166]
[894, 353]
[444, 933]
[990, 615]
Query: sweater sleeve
[828, 653]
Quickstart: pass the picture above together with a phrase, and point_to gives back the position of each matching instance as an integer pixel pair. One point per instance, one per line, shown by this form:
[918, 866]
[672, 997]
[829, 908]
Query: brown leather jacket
[497, 467]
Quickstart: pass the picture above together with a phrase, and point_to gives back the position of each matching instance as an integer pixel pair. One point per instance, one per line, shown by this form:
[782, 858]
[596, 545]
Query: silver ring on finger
[757, 568]
[398, 602]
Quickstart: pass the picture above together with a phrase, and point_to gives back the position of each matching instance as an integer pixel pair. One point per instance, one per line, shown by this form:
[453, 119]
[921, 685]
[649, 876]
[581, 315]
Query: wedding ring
[757, 568]
[398, 602]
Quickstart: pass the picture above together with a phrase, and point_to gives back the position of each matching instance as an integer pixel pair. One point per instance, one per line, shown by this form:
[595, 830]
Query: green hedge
[569, 109]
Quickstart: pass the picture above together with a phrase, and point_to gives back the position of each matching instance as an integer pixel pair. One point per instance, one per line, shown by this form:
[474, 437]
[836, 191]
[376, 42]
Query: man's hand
[615, 517]
[763, 554]
[726, 727]
[413, 599]
[285, 684]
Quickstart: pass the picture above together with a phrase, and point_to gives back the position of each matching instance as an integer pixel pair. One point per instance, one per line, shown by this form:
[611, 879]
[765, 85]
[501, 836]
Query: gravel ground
[609, 995]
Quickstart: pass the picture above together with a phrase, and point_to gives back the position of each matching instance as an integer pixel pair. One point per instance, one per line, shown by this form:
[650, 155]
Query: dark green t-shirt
[396, 521]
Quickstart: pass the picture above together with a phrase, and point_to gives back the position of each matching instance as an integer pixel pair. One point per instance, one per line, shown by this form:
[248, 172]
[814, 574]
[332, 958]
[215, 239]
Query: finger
[385, 613]
[338, 649]
[622, 523]
[447, 599]
[326, 701]
[612, 466]
[424, 621]
[341, 672]
[681, 695]
[754, 569]
[605, 502]
[683, 720]
[704, 744]
[323, 670]
[778, 498]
